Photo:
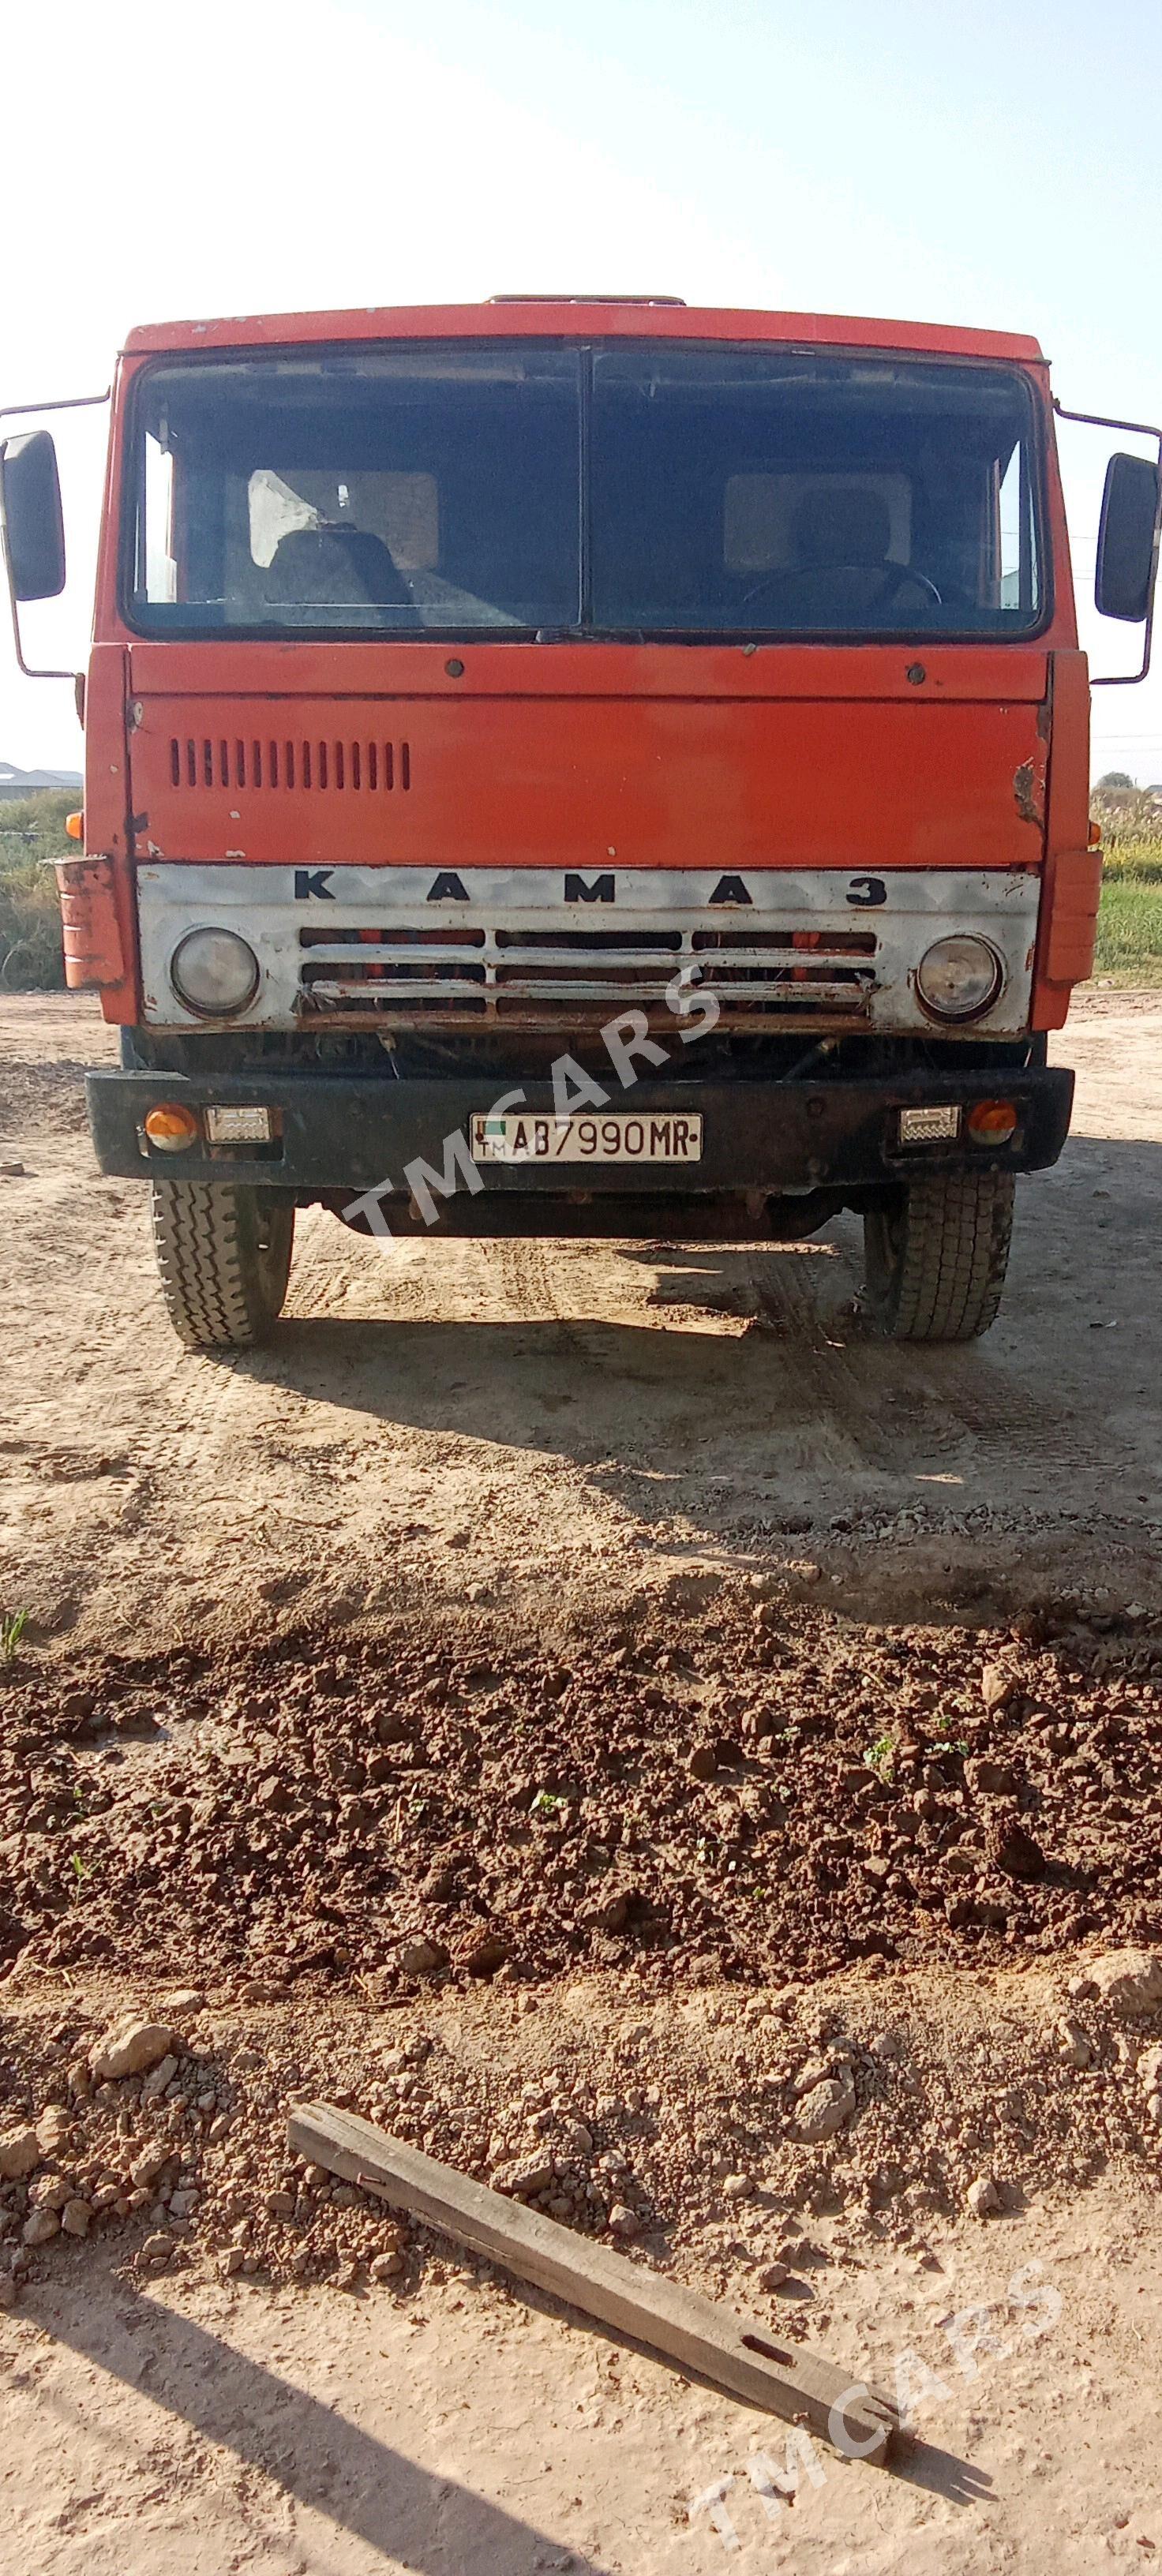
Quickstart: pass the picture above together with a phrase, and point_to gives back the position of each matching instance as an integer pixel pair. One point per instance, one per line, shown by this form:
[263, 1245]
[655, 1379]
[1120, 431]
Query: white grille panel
[412, 947]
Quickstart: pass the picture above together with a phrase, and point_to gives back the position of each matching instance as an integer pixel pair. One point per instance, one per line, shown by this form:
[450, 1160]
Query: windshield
[628, 489]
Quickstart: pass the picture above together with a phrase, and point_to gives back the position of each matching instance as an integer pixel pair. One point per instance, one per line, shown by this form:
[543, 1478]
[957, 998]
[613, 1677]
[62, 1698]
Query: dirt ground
[556, 1427]
[618, 1622]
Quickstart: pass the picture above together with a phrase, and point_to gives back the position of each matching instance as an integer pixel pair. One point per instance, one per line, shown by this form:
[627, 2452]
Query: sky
[995, 166]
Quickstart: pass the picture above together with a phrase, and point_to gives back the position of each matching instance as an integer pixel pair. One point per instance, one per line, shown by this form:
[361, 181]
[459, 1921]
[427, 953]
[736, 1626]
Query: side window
[1015, 539]
[160, 572]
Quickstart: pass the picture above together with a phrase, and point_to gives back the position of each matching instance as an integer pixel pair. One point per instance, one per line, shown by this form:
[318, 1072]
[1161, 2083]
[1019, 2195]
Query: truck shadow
[303, 2448]
[308, 2455]
[740, 1392]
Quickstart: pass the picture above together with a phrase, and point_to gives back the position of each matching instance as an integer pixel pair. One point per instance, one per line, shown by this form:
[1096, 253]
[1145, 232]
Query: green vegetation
[1129, 929]
[881, 1756]
[11, 1631]
[32, 834]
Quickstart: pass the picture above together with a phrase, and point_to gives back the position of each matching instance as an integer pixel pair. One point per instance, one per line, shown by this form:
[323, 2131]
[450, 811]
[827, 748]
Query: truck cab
[583, 766]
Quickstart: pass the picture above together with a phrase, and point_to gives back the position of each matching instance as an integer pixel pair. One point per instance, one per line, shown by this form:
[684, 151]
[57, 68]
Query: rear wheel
[936, 1260]
[224, 1254]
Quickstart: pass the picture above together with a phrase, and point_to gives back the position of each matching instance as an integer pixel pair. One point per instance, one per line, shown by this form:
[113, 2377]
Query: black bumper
[343, 1132]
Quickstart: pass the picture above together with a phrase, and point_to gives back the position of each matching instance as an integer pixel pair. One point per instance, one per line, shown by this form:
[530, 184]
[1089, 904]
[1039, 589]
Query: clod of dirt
[40, 2226]
[131, 2050]
[611, 1913]
[826, 2106]
[523, 2180]
[422, 1958]
[1129, 1981]
[990, 1779]
[145, 2168]
[1076, 2047]
[1012, 1849]
[982, 2197]
[19, 2153]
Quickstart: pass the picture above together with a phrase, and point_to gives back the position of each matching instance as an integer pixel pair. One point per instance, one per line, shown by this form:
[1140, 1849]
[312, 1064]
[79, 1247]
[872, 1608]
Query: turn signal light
[1095, 836]
[75, 826]
[991, 1122]
[171, 1127]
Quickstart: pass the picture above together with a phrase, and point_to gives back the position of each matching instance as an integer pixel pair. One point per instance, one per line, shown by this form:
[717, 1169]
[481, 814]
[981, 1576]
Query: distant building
[33, 782]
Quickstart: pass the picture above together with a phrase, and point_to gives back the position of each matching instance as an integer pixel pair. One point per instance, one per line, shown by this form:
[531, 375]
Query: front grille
[290, 763]
[472, 972]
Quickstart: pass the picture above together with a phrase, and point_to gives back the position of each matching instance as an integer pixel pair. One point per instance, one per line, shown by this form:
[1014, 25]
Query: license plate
[672, 1136]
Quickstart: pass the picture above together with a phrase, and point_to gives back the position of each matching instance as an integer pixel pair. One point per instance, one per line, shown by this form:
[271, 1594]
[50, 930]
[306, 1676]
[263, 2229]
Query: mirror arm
[19, 411]
[1134, 429]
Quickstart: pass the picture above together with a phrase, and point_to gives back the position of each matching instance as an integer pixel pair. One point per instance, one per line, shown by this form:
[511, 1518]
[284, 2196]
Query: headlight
[958, 978]
[214, 972]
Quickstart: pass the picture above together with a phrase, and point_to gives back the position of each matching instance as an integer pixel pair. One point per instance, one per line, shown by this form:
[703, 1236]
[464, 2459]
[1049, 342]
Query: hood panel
[652, 781]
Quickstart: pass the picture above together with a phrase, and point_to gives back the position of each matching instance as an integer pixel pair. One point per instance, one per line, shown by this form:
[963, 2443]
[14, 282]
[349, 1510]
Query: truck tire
[936, 1261]
[224, 1254]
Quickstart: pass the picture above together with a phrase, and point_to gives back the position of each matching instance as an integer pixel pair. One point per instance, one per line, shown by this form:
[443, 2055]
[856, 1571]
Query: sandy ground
[211, 2429]
[548, 1432]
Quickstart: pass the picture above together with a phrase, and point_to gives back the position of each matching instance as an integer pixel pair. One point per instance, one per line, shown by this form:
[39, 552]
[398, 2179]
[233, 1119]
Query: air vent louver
[309, 765]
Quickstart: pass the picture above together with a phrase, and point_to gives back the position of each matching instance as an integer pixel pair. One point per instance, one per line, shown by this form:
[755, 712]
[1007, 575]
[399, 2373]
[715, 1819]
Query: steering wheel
[895, 577]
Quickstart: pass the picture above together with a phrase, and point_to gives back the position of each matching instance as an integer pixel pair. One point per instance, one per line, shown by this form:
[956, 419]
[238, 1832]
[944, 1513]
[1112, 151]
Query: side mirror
[1127, 538]
[31, 516]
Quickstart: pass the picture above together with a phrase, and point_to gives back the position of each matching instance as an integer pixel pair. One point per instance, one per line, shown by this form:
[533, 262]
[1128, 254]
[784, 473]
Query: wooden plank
[738, 2353]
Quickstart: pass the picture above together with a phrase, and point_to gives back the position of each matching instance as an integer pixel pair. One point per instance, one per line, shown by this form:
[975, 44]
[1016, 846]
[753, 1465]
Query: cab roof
[581, 317]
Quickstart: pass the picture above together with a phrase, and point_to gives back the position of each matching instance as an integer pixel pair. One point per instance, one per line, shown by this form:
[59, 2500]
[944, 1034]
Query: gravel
[397, 1814]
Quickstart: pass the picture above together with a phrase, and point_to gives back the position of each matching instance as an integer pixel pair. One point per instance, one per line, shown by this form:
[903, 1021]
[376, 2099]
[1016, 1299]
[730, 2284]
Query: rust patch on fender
[1027, 792]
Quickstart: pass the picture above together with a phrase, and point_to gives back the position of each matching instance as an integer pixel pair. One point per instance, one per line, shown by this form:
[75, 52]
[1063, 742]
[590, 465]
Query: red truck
[582, 766]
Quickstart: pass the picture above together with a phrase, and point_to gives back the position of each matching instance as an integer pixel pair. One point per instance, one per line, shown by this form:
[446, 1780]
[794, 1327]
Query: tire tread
[946, 1283]
[210, 1276]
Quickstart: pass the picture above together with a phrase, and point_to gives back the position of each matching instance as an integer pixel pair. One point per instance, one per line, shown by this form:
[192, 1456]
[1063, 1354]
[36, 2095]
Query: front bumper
[343, 1132]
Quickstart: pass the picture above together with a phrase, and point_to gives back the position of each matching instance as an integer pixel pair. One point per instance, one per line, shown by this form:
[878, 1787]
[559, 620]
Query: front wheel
[936, 1259]
[224, 1254]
